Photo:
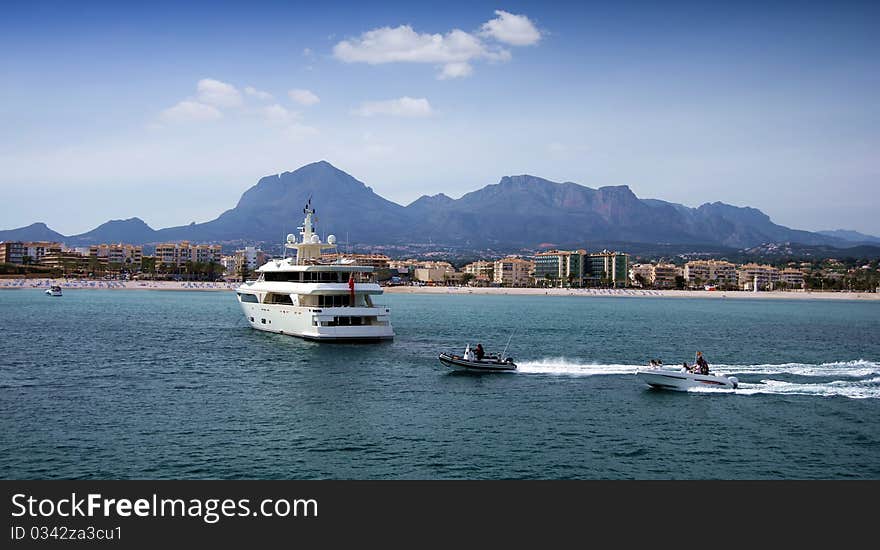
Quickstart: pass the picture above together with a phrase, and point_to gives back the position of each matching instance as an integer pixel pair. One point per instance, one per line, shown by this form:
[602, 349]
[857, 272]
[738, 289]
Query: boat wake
[563, 366]
[859, 368]
[853, 379]
[854, 389]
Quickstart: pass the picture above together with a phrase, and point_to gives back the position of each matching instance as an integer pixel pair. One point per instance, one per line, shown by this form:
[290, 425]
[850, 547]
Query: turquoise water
[152, 384]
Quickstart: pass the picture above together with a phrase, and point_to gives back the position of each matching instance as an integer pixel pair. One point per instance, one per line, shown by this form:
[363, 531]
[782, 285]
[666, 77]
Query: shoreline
[97, 284]
[202, 286]
[636, 293]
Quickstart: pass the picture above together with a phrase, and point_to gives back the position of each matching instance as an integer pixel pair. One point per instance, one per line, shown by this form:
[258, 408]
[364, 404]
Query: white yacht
[316, 299]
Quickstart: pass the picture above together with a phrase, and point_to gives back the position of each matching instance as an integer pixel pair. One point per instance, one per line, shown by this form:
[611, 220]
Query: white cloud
[190, 111]
[388, 45]
[402, 107]
[218, 94]
[455, 70]
[516, 30]
[403, 44]
[277, 113]
[307, 52]
[303, 97]
[259, 94]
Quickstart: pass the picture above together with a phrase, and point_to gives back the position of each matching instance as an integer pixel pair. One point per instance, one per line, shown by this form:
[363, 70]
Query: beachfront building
[581, 268]
[249, 259]
[180, 253]
[207, 253]
[757, 277]
[483, 271]
[11, 252]
[560, 267]
[657, 275]
[512, 271]
[793, 278]
[433, 272]
[228, 264]
[186, 260]
[701, 272]
[606, 268]
[641, 274]
[408, 265]
[665, 274]
[122, 254]
[376, 261]
[69, 262]
[22, 252]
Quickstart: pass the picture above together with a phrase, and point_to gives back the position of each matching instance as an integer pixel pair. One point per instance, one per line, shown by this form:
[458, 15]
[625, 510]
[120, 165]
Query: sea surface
[159, 384]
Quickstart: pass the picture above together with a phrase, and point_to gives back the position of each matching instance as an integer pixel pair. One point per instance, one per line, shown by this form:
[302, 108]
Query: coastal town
[191, 263]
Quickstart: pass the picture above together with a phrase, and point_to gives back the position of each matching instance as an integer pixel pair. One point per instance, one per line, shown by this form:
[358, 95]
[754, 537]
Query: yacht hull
[682, 381]
[310, 323]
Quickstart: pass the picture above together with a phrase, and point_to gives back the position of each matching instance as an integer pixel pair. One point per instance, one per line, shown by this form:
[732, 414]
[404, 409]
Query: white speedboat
[54, 291]
[670, 378]
[313, 298]
[468, 362]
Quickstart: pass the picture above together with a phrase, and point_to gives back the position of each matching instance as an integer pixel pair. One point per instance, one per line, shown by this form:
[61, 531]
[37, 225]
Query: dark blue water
[152, 384]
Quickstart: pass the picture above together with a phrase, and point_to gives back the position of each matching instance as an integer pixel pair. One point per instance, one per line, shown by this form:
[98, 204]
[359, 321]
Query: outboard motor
[735, 381]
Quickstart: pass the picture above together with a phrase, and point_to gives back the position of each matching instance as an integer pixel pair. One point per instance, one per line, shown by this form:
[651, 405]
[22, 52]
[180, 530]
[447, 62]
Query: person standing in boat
[468, 353]
[479, 352]
[702, 366]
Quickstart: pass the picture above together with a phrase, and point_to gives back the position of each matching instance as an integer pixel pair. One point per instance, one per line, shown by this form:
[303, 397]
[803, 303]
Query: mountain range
[518, 211]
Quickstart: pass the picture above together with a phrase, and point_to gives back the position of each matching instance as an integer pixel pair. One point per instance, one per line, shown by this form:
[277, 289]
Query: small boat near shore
[54, 291]
[489, 363]
[669, 378]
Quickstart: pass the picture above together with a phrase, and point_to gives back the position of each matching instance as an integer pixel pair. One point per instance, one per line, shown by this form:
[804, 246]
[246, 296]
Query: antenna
[504, 353]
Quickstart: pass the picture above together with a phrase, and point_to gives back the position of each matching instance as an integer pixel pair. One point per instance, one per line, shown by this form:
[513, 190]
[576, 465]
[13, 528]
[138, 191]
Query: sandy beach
[451, 290]
[114, 285]
[634, 293]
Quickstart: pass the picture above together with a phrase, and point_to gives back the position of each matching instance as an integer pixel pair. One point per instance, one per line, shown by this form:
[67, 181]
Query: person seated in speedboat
[702, 367]
[479, 352]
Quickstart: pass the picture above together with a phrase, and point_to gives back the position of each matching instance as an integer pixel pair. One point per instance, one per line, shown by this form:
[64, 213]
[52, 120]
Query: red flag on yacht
[351, 288]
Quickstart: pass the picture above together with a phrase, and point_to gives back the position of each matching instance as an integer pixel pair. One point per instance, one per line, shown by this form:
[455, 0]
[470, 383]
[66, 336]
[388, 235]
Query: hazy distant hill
[132, 230]
[528, 210]
[519, 210]
[852, 236]
[273, 208]
[34, 232]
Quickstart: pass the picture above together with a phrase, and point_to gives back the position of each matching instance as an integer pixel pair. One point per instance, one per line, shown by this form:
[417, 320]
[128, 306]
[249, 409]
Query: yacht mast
[309, 248]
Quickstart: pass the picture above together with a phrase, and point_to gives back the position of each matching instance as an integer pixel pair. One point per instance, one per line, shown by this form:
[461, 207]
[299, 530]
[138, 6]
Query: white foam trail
[853, 389]
[564, 366]
[869, 388]
[560, 365]
[855, 369]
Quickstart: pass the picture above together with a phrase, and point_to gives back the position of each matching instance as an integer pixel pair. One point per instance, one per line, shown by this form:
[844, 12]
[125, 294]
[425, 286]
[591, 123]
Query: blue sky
[169, 112]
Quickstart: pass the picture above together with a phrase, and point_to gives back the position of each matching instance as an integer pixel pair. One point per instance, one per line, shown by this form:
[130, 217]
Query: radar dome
[316, 239]
[331, 239]
[291, 238]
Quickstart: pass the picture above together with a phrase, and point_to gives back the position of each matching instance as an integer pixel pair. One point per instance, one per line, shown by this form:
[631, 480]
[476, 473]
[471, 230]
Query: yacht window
[251, 298]
[279, 299]
[283, 276]
[334, 300]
